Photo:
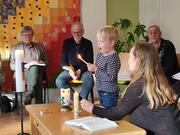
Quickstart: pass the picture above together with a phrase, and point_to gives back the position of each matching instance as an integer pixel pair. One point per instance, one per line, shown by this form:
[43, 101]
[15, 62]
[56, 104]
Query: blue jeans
[108, 99]
[62, 81]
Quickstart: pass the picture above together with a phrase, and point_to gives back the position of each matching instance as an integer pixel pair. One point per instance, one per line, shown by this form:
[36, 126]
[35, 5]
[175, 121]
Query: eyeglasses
[77, 32]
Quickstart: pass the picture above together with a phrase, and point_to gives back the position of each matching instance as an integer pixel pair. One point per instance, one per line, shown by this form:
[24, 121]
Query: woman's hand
[86, 105]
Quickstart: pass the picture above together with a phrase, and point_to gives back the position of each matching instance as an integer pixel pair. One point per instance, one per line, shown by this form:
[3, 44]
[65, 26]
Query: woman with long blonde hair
[148, 99]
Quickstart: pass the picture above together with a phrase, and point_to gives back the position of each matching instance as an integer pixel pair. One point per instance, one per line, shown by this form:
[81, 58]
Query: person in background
[73, 46]
[148, 99]
[107, 66]
[34, 55]
[2, 74]
[166, 51]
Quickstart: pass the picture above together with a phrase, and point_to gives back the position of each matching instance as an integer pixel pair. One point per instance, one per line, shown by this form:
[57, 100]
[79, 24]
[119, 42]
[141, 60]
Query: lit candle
[65, 97]
[20, 82]
[79, 56]
[76, 102]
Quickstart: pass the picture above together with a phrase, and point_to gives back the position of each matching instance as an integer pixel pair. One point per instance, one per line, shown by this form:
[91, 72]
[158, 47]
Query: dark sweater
[167, 54]
[71, 50]
[161, 121]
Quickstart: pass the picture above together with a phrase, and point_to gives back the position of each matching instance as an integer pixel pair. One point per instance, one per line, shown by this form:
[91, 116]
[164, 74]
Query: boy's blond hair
[110, 32]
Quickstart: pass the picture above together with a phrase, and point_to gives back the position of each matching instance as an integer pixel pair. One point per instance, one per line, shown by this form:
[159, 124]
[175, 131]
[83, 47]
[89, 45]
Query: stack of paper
[92, 123]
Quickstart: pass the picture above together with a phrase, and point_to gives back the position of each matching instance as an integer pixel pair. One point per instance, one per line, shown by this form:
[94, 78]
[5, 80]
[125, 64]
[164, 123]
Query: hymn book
[92, 123]
[34, 63]
[68, 68]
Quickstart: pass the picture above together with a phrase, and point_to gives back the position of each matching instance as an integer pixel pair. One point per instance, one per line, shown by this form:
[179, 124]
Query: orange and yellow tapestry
[51, 21]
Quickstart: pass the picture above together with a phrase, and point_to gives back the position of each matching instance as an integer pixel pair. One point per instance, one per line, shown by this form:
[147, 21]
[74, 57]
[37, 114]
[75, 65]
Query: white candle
[20, 82]
[79, 56]
[65, 97]
[76, 101]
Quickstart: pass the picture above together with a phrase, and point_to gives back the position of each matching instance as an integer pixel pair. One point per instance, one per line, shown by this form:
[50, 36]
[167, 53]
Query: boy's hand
[91, 67]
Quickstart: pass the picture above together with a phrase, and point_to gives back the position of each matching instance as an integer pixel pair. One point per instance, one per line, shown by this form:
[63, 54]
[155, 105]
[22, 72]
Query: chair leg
[44, 91]
[46, 95]
[92, 95]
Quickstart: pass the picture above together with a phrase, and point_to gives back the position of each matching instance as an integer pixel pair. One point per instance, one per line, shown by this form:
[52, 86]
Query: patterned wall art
[51, 21]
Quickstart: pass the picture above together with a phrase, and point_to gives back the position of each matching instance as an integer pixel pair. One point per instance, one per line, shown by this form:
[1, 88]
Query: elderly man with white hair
[166, 51]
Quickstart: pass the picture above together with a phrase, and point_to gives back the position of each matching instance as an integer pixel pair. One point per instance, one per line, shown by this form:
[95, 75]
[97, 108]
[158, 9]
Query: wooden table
[48, 119]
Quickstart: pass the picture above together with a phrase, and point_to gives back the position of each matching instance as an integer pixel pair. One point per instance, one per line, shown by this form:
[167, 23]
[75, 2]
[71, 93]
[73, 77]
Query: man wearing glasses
[73, 46]
[35, 60]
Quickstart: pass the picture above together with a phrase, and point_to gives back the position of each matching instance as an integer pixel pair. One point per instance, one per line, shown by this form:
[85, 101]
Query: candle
[79, 56]
[65, 97]
[19, 74]
[76, 101]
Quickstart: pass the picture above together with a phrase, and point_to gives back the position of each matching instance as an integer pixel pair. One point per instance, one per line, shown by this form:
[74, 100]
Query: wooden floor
[10, 123]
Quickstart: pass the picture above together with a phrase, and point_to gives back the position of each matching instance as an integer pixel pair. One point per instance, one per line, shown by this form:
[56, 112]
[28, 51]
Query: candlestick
[76, 102]
[20, 82]
[79, 56]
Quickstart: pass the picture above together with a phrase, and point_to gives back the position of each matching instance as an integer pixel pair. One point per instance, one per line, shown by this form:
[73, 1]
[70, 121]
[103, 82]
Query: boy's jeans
[108, 99]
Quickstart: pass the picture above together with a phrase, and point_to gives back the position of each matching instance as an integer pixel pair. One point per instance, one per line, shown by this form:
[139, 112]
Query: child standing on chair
[107, 66]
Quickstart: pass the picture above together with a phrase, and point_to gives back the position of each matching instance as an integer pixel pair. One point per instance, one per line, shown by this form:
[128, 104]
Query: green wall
[124, 9]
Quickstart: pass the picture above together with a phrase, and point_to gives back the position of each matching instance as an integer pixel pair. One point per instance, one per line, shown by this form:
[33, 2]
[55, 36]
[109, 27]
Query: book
[69, 68]
[91, 123]
[176, 76]
[34, 64]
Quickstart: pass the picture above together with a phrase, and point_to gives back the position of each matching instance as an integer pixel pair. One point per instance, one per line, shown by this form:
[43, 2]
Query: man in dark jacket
[166, 51]
[73, 46]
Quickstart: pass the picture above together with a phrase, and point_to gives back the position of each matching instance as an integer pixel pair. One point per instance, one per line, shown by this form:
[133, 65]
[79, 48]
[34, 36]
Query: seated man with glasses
[73, 46]
[35, 60]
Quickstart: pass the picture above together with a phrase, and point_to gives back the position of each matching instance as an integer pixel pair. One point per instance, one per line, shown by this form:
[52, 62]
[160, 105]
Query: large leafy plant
[129, 34]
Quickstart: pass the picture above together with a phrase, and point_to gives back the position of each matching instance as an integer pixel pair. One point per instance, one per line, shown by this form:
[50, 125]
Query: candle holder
[76, 115]
[65, 99]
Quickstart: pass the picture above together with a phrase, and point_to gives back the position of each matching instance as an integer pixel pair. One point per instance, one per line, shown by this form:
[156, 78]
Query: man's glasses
[77, 32]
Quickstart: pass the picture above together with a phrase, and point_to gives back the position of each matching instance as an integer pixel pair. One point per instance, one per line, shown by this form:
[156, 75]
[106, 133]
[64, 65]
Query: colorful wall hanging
[51, 21]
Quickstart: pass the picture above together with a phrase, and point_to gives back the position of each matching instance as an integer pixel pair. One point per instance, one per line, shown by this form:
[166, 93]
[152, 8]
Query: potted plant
[129, 34]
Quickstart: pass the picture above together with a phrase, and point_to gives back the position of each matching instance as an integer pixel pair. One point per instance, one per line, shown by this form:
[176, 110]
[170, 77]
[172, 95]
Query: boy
[107, 66]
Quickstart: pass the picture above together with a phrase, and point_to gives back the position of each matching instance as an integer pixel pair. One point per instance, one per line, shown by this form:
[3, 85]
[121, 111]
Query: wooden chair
[44, 84]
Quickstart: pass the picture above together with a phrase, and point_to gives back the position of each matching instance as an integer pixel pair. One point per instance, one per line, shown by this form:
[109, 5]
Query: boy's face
[104, 44]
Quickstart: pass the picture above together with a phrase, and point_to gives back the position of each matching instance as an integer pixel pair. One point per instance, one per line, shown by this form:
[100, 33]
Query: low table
[48, 119]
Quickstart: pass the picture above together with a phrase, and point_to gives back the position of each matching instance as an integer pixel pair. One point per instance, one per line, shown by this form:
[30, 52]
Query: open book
[92, 123]
[176, 76]
[33, 64]
[68, 68]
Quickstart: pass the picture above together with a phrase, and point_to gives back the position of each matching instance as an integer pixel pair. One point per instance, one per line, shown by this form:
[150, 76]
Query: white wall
[93, 16]
[164, 13]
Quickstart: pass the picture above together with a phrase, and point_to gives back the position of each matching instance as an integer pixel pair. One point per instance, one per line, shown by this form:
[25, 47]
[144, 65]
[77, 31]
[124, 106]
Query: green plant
[129, 34]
